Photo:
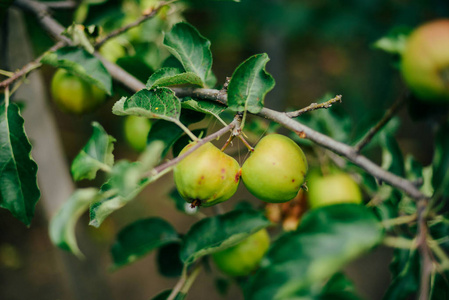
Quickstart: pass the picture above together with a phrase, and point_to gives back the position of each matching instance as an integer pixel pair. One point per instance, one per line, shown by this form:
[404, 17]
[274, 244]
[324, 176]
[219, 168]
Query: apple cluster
[274, 172]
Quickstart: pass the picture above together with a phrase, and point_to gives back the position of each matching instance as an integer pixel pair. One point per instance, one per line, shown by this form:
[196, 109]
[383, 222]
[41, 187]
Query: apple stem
[231, 137]
[187, 131]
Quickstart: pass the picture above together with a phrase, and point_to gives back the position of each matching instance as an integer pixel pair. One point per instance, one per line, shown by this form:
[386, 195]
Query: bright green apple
[425, 61]
[332, 189]
[207, 176]
[276, 169]
[243, 258]
[136, 132]
[74, 95]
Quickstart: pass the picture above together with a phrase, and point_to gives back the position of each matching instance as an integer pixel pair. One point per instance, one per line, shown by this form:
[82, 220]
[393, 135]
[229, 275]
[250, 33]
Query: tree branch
[387, 117]
[313, 106]
[55, 29]
[337, 147]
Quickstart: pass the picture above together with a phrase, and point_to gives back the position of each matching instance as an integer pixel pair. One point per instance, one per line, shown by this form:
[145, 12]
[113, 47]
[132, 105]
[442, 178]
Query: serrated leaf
[190, 48]
[326, 240]
[140, 238]
[171, 77]
[206, 107]
[96, 155]
[249, 85]
[19, 192]
[217, 233]
[159, 103]
[81, 63]
[440, 163]
[62, 225]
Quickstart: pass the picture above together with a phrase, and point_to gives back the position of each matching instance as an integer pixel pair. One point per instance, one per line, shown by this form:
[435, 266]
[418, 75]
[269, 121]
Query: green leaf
[62, 225]
[168, 262]
[392, 159]
[405, 270]
[190, 48]
[217, 233]
[96, 155]
[81, 63]
[19, 192]
[206, 107]
[140, 238]
[172, 76]
[440, 163]
[326, 240]
[395, 41]
[159, 103]
[249, 85]
[124, 184]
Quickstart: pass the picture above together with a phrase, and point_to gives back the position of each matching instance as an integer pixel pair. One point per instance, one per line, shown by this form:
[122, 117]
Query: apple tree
[322, 197]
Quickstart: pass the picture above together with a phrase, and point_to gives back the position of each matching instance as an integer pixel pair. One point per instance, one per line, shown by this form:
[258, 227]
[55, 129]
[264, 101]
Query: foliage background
[316, 47]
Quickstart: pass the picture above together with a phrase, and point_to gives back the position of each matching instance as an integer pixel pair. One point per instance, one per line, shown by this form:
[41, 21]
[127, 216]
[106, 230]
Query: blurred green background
[317, 48]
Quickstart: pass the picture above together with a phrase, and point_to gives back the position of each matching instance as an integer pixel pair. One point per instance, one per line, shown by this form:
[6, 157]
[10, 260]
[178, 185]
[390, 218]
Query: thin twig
[198, 144]
[423, 247]
[147, 15]
[185, 282]
[30, 66]
[387, 117]
[313, 106]
[60, 4]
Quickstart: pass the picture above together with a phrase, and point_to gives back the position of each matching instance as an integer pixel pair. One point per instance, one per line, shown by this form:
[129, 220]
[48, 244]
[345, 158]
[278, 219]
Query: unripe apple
[207, 176]
[425, 61]
[332, 189]
[243, 258]
[136, 132]
[276, 169]
[74, 95]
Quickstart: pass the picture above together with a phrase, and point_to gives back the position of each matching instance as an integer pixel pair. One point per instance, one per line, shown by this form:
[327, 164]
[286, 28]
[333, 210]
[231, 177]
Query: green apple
[74, 95]
[243, 258]
[136, 132]
[112, 50]
[425, 62]
[207, 176]
[332, 189]
[276, 169]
